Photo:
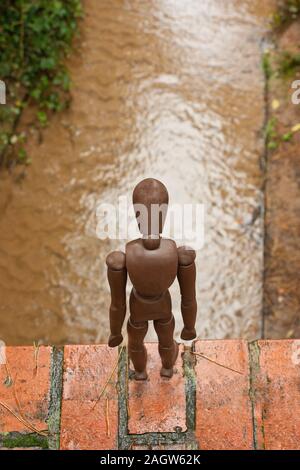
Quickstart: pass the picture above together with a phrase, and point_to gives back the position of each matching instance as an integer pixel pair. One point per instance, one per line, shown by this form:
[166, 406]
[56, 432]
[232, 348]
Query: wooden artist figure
[152, 264]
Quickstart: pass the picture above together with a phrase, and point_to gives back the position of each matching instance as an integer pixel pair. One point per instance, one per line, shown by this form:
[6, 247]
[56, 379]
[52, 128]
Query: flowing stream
[165, 88]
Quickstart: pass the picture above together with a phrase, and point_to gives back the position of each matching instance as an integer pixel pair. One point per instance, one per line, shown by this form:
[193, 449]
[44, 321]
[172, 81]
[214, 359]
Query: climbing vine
[35, 37]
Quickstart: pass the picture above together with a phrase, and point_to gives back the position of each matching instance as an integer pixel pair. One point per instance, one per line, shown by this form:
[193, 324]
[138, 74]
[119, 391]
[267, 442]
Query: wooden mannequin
[152, 263]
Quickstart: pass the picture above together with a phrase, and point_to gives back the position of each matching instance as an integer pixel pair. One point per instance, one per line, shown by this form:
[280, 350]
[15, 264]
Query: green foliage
[12, 440]
[271, 134]
[288, 11]
[35, 36]
[266, 65]
[288, 63]
[287, 136]
[272, 138]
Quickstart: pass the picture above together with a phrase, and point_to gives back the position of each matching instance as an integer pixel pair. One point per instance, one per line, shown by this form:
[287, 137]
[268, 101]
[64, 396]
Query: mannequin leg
[136, 349]
[167, 347]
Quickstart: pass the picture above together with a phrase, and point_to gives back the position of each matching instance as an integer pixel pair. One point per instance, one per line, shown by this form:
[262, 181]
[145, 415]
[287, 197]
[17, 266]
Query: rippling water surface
[168, 89]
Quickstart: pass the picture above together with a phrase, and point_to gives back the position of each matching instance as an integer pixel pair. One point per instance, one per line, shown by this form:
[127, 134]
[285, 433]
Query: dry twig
[217, 363]
[109, 379]
[20, 417]
[23, 420]
[36, 356]
[107, 417]
[8, 382]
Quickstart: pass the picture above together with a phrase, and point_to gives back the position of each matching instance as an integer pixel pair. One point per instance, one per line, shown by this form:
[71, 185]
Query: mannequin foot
[168, 373]
[140, 375]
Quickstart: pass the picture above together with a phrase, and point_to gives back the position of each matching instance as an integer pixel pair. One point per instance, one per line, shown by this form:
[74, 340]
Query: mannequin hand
[188, 335]
[115, 340]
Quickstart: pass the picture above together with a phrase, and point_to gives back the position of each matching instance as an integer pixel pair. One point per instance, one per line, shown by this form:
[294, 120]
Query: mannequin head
[150, 200]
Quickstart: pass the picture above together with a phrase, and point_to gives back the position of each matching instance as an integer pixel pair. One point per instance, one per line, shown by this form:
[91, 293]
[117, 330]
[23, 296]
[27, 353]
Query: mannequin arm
[117, 278]
[187, 278]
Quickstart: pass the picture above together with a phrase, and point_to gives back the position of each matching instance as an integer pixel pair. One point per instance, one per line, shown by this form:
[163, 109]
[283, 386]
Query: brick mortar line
[189, 362]
[55, 401]
[122, 401]
[126, 440]
[254, 366]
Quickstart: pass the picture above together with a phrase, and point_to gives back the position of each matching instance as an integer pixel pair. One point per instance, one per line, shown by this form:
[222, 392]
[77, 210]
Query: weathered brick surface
[228, 399]
[223, 408]
[277, 395]
[85, 425]
[158, 404]
[28, 394]
[161, 447]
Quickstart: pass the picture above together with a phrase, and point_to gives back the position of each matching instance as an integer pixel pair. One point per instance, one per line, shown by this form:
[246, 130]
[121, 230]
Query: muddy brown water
[168, 89]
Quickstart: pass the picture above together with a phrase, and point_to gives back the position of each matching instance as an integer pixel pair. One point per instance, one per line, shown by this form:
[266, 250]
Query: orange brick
[86, 370]
[158, 404]
[29, 393]
[223, 408]
[161, 447]
[277, 397]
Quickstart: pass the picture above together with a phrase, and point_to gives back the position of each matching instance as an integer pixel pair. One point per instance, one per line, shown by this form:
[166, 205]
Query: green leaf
[286, 137]
[42, 117]
[272, 145]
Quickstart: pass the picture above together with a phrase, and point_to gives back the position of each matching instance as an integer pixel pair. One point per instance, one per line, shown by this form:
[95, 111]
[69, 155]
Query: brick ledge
[225, 394]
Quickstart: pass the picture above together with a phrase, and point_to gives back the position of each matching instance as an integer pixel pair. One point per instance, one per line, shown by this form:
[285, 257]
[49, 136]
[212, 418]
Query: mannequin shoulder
[186, 255]
[116, 260]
